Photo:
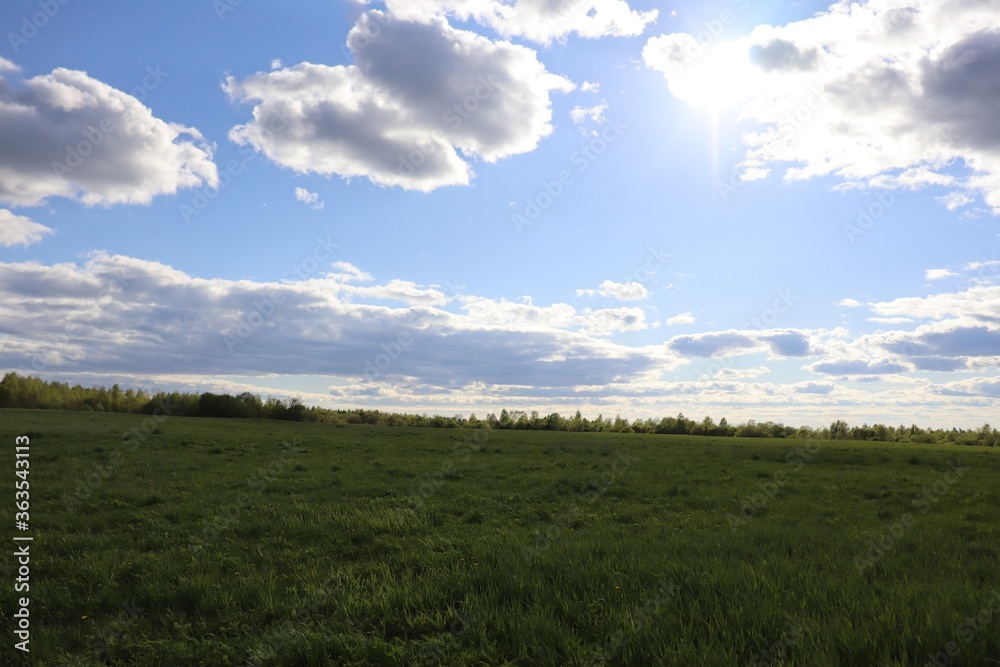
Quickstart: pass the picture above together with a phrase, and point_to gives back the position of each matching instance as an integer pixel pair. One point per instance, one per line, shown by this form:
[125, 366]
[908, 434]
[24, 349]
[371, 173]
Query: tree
[554, 422]
[839, 430]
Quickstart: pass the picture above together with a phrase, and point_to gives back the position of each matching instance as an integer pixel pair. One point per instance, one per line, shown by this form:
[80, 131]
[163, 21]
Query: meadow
[196, 541]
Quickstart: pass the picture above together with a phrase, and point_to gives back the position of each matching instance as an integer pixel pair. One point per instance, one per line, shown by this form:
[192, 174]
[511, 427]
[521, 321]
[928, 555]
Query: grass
[210, 542]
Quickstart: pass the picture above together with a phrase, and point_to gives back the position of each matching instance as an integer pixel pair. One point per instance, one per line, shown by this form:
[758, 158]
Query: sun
[722, 77]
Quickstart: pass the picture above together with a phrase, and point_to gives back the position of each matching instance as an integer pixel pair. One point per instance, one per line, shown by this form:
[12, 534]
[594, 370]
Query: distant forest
[33, 393]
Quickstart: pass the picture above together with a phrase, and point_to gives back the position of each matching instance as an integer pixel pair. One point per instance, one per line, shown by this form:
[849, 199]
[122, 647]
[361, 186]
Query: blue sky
[750, 210]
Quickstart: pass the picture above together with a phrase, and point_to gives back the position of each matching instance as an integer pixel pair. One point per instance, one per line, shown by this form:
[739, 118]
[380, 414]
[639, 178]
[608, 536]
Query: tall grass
[213, 543]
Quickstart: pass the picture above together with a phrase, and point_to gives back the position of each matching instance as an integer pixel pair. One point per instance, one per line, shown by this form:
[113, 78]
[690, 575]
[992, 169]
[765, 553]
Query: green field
[227, 542]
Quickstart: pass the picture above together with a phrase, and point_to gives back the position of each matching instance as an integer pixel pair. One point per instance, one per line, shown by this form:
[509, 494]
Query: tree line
[27, 392]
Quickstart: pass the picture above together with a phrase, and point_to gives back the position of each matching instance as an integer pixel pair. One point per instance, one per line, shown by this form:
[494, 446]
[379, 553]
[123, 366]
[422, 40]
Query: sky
[751, 210]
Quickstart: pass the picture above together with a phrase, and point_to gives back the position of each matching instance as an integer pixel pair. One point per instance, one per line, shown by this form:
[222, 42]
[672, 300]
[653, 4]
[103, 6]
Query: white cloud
[856, 367]
[981, 303]
[117, 314]
[956, 200]
[398, 290]
[526, 316]
[594, 114]
[590, 87]
[631, 291]
[681, 318]
[980, 386]
[976, 266]
[938, 274]
[348, 273]
[66, 134]
[849, 303]
[310, 199]
[877, 93]
[19, 230]
[7, 66]
[779, 342]
[115, 318]
[421, 100]
[537, 20]
[741, 373]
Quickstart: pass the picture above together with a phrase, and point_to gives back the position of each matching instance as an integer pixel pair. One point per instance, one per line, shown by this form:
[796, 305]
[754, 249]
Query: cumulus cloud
[856, 367]
[876, 93]
[345, 272]
[19, 230]
[987, 387]
[788, 343]
[938, 274]
[630, 291]
[979, 303]
[952, 339]
[65, 134]
[310, 199]
[741, 373]
[819, 388]
[978, 266]
[956, 200]
[420, 102]
[526, 316]
[116, 314]
[112, 318]
[951, 332]
[782, 55]
[538, 20]
[849, 303]
[779, 342]
[595, 114]
[681, 318]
